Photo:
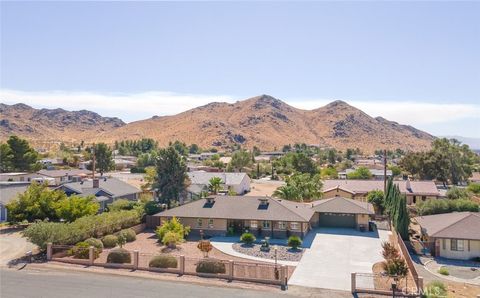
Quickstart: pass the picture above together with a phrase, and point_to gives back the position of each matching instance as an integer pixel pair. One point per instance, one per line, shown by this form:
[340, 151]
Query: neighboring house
[376, 173]
[121, 164]
[65, 176]
[265, 216]
[106, 190]
[452, 235]
[51, 161]
[8, 192]
[18, 177]
[358, 189]
[201, 156]
[475, 177]
[238, 182]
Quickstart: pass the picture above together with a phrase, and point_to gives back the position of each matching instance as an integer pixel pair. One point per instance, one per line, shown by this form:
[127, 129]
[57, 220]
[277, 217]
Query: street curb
[168, 277]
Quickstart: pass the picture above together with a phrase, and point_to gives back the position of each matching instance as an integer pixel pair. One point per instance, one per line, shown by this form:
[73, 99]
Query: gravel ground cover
[284, 253]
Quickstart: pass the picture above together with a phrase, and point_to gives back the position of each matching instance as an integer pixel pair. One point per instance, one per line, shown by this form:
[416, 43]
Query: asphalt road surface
[51, 284]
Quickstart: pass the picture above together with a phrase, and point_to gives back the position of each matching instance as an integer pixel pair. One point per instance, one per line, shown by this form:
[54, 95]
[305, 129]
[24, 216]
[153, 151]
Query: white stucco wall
[466, 254]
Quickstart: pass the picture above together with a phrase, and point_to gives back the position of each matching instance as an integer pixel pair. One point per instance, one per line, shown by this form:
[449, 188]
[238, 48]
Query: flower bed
[284, 253]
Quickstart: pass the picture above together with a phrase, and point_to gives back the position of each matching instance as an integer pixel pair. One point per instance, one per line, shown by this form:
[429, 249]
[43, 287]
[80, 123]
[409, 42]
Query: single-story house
[359, 189]
[106, 190]
[18, 177]
[452, 235]
[8, 192]
[377, 174]
[65, 176]
[265, 216]
[238, 182]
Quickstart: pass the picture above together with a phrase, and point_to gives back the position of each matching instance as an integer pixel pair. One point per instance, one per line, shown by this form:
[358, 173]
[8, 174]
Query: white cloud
[136, 106]
[129, 107]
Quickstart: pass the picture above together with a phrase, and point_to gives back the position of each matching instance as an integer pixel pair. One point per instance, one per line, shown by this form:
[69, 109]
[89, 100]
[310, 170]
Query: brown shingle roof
[242, 207]
[457, 225]
[422, 188]
[343, 205]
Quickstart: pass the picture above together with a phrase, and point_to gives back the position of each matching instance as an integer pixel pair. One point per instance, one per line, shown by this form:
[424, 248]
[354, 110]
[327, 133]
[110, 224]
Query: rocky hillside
[55, 125]
[270, 123]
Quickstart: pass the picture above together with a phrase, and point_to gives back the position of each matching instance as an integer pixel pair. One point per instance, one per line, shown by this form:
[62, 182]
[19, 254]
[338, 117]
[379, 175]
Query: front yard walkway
[224, 244]
[334, 254]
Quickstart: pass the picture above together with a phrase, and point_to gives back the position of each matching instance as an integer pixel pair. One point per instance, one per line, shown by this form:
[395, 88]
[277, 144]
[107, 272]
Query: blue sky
[413, 62]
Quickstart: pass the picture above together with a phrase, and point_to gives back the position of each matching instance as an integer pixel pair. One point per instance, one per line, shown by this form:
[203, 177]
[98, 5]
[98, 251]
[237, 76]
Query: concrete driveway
[333, 254]
[12, 246]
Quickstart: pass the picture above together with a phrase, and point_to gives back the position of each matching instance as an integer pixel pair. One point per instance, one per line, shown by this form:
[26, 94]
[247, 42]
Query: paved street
[335, 253]
[50, 283]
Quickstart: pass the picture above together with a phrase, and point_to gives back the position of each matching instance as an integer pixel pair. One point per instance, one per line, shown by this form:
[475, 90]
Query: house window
[456, 245]
[199, 222]
[281, 225]
[266, 224]
[253, 224]
[444, 244]
[210, 223]
[294, 226]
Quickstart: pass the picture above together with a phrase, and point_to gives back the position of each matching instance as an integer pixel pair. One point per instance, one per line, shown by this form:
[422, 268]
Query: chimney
[96, 183]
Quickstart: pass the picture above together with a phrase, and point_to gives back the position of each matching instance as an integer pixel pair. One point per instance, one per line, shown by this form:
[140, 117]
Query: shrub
[121, 240]
[129, 234]
[81, 250]
[389, 251]
[40, 233]
[474, 187]
[395, 267]
[121, 204]
[171, 239]
[152, 207]
[443, 271]
[294, 241]
[210, 266]
[95, 243]
[456, 193]
[247, 238]
[110, 241]
[119, 256]
[434, 206]
[435, 289]
[164, 261]
[174, 226]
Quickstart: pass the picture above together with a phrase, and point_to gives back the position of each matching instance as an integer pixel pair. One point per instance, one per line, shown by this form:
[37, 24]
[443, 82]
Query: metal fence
[230, 270]
[381, 284]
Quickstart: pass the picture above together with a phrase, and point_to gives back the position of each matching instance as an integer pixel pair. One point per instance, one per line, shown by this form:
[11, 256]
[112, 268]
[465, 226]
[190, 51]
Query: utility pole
[93, 162]
[384, 171]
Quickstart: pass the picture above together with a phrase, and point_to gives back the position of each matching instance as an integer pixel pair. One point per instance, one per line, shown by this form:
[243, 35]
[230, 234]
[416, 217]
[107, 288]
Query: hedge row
[41, 233]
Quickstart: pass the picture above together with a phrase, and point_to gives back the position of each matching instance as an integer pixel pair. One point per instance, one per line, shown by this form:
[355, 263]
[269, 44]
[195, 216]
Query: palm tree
[287, 192]
[214, 184]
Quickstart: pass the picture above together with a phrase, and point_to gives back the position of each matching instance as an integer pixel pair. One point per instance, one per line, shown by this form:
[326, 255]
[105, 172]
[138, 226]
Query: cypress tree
[402, 220]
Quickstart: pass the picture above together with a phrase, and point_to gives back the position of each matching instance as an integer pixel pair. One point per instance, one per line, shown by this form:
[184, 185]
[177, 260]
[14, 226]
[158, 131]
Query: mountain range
[263, 121]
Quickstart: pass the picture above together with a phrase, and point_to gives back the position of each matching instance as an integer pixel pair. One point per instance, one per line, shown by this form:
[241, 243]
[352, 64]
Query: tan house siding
[337, 193]
[411, 199]
[471, 249]
[362, 220]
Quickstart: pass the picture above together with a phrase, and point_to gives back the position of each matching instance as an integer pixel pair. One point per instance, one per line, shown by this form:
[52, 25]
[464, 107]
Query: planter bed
[284, 253]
